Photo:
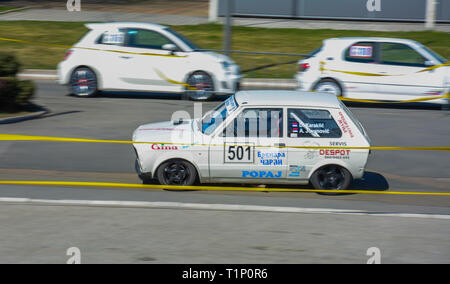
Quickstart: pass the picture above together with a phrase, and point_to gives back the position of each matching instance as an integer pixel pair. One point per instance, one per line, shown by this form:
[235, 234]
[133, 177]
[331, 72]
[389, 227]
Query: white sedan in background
[145, 57]
[376, 69]
[252, 138]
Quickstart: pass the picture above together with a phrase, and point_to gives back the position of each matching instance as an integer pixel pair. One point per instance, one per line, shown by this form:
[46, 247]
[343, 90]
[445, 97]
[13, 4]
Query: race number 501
[239, 153]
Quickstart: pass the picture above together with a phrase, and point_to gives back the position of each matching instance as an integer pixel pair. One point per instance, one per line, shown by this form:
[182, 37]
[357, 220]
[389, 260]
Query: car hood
[166, 132]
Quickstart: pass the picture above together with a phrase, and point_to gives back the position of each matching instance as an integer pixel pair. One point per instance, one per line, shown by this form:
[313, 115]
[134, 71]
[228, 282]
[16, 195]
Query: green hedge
[15, 94]
[9, 65]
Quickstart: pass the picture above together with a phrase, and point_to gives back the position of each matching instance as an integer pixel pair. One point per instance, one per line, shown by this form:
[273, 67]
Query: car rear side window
[112, 37]
[141, 38]
[363, 52]
[312, 123]
[401, 54]
[256, 122]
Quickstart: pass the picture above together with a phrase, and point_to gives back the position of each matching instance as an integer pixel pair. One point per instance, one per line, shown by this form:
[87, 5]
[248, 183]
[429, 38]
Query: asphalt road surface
[406, 228]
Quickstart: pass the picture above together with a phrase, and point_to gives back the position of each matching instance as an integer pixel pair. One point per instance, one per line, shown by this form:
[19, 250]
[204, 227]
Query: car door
[250, 147]
[353, 69]
[406, 74]
[149, 67]
[106, 58]
[311, 128]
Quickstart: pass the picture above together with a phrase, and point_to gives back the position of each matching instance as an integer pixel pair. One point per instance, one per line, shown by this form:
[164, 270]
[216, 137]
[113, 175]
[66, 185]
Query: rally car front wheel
[176, 172]
[331, 177]
[200, 86]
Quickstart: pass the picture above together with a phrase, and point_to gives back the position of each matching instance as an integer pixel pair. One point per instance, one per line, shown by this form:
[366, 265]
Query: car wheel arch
[324, 164]
[337, 81]
[186, 77]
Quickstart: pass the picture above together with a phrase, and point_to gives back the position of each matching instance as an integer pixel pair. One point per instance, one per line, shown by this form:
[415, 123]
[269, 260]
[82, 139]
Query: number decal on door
[239, 153]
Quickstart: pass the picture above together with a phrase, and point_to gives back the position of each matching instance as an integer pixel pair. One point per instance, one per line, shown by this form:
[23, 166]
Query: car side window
[363, 52]
[401, 54]
[256, 122]
[312, 123]
[142, 38]
[112, 37]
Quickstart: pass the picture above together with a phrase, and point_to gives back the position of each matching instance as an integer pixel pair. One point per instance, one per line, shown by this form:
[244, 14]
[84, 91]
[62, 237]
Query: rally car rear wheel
[331, 177]
[83, 82]
[201, 86]
[329, 86]
[176, 172]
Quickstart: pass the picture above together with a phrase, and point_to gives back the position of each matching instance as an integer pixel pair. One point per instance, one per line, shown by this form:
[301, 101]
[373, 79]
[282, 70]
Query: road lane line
[213, 207]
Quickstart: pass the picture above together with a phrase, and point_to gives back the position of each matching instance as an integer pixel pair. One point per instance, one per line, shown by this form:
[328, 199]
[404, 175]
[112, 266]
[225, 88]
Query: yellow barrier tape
[212, 188]
[323, 63]
[14, 137]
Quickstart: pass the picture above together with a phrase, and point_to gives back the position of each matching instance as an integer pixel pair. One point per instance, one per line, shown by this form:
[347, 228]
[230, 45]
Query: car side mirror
[429, 63]
[170, 47]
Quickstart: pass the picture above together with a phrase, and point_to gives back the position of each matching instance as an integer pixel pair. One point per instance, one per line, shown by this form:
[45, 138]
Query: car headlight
[225, 64]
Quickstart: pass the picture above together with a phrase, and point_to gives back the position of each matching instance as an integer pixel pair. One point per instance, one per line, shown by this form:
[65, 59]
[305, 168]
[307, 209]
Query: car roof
[118, 25]
[376, 39]
[287, 98]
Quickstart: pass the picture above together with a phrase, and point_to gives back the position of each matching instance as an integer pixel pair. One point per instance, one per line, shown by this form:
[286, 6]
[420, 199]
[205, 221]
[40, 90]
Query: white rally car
[376, 69]
[254, 138]
[145, 57]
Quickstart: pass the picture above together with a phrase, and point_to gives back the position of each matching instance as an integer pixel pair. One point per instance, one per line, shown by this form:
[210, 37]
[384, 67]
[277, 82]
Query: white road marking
[215, 207]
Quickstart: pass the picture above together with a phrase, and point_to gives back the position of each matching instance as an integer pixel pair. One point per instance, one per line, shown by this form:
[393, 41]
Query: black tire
[329, 86]
[176, 172]
[83, 83]
[203, 84]
[331, 177]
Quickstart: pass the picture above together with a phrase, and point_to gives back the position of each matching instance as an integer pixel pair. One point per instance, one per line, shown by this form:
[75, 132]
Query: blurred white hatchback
[376, 69]
[145, 57]
[258, 137]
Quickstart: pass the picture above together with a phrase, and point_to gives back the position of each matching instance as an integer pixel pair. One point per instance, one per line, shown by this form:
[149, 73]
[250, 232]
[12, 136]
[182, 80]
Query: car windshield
[439, 58]
[183, 39]
[213, 119]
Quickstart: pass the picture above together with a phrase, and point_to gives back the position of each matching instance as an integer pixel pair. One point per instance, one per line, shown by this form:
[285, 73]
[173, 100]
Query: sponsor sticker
[164, 147]
[113, 37]
[344, 125]
[335, 154]
[230, 104]
[262, 174]
[296, 171]
[271, 158]
[361, 51]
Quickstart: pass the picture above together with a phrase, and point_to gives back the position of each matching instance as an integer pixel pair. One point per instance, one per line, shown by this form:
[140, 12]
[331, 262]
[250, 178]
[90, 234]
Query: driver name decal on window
[312, 123]
[113, 38]
[361, 51]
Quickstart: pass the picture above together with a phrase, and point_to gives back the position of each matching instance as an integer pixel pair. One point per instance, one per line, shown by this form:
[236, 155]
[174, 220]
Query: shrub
[14, 93]
[9, 65]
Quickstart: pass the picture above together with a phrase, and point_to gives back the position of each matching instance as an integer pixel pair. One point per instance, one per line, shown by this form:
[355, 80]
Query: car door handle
[125, 57]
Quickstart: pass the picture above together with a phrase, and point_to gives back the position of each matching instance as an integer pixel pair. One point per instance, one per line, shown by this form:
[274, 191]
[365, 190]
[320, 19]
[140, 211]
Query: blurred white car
[376, 69]
[253, 138]
[145, 57]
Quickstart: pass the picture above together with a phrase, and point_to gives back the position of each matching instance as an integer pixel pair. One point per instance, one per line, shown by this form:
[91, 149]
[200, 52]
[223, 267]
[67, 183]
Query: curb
[16, 119]
[35, 74]
[14, 10]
